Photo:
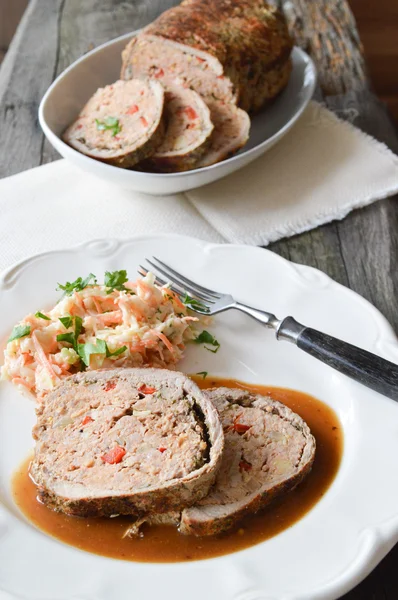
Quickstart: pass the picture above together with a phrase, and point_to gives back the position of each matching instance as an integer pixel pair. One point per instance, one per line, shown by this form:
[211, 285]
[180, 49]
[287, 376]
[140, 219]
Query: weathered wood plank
[360, 248]
[327, 31]
[364, 246]
[26, 73]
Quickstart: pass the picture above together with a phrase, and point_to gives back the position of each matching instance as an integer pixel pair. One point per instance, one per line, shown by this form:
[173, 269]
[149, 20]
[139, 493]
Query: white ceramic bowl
[71, 90]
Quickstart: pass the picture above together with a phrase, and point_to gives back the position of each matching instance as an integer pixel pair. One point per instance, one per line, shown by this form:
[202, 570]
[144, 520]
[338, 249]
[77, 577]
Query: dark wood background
[360, 252]
[377, 22]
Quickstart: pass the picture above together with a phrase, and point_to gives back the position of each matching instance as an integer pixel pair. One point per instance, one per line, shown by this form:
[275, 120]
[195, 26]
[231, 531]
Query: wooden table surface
[360, 252]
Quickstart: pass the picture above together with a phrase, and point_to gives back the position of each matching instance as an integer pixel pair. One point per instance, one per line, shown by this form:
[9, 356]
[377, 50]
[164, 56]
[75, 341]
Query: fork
[368, 369]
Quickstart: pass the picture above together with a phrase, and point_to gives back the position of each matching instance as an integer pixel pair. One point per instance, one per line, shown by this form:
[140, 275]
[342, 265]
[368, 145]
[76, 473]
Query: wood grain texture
[360, 252]
[377, 22]
[11, 12]
[327, 31]
[26, 73]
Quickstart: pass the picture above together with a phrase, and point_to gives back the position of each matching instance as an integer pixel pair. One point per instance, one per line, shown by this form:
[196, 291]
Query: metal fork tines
[181, 285]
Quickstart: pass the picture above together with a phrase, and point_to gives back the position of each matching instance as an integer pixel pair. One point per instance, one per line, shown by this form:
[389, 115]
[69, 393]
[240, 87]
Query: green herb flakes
[67, 337]
[115, 280]
[206, 338]
[203, 373]
[40, 315]
[18, 332]
[78, 285]
[115, 352]
[194, 304]
[78, 326]
[71, 337]
[66, 321]
[109, 124]
[86, 350]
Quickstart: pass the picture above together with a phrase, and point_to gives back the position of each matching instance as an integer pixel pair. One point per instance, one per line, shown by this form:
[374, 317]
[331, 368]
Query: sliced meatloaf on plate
[121, 124]
[268, 451]
[230, 50]
[125, 441]
[188, 132]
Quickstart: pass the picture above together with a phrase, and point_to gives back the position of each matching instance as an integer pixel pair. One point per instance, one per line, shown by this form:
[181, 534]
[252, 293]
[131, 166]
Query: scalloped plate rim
[381, 537]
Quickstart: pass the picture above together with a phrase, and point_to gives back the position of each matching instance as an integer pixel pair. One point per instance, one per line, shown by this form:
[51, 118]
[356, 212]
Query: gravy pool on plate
[165, 544]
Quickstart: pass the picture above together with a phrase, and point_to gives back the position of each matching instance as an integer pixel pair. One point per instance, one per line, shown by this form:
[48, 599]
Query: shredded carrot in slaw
[97, 326]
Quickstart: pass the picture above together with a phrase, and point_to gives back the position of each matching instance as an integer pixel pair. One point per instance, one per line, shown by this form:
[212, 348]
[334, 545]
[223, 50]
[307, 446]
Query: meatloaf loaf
[125, 441]
[268, 451]
[188, 132]
[230, 50]
[121, 124]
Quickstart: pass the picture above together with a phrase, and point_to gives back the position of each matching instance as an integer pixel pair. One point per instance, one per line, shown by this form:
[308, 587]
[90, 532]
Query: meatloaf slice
[187, 134]
[231, 132]
[125, 441]
[268, 451]
[121, 124]
[242, 48]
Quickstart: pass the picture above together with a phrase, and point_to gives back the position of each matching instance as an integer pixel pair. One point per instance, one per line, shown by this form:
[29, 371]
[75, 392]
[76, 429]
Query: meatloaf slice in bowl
[125, 441]
[231, 132]
[188, 132]
[121, 124]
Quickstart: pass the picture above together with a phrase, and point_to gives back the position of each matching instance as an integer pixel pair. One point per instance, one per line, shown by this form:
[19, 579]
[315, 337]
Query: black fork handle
[372, 371]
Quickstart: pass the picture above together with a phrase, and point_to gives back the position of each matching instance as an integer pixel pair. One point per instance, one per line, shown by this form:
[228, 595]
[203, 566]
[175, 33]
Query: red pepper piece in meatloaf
[150, 442]
[121, 124]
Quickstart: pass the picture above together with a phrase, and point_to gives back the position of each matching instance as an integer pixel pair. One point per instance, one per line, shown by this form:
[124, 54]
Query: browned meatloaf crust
[244, 41]
[125, 441]
[121, 124]
[268, 451]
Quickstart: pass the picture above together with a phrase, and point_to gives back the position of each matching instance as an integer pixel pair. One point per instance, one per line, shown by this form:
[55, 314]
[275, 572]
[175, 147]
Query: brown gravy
[165, 544]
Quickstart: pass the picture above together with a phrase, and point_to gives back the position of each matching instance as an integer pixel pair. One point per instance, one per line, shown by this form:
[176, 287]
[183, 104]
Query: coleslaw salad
[120, 323]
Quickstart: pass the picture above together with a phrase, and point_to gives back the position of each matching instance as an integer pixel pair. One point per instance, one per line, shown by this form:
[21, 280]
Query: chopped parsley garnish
[203, 373]
[66, 321]
[72, 336]
[86, 350]
[100, 347]
[67, 337]
[194, 304]
[19, 331]
[115, 352]
[78, 326]
[109, 124]
[115, 280]
[78, 285]
[206, 338]
[40, 315]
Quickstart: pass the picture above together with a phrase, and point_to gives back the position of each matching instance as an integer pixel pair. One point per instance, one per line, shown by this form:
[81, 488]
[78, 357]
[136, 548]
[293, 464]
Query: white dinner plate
[70, 91]
[324, 554]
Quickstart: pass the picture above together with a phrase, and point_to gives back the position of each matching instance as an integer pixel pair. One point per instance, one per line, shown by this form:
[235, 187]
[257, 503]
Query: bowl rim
[55, 139]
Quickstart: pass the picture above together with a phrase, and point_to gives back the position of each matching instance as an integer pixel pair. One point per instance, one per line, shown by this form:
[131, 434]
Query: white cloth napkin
[320, 171]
